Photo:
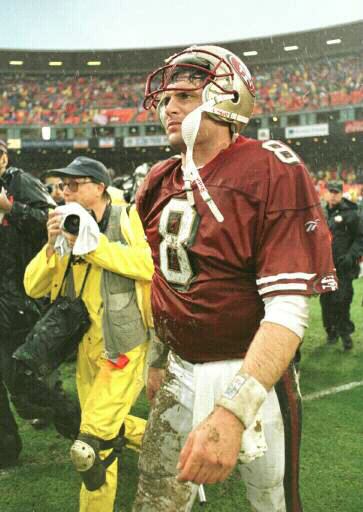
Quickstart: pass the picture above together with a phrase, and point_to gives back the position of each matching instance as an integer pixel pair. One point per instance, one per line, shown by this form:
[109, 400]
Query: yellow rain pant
[106, 394]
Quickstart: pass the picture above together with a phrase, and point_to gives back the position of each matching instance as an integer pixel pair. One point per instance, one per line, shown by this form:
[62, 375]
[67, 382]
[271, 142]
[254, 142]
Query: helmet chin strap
[190, 127]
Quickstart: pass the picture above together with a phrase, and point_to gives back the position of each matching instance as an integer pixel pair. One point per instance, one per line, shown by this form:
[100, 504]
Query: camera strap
[69, 281]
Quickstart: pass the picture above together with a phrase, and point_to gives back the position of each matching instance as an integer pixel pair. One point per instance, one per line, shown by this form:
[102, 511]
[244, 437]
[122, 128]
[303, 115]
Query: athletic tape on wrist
[243, 397]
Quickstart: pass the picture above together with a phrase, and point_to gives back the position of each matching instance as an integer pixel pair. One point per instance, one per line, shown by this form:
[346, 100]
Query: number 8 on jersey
[177, 227]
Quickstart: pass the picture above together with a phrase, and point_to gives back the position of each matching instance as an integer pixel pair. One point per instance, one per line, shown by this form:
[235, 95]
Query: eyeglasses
[74, 184]
[51, 187]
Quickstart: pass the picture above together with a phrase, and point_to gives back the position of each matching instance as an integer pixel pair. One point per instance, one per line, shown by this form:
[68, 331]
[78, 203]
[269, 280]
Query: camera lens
[71, 224]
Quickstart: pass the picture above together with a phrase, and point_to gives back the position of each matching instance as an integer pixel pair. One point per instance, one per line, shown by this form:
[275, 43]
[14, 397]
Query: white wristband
[243, 397]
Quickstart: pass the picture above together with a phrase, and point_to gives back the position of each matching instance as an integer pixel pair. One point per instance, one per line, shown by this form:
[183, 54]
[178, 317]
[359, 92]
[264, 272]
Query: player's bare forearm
[270, 353]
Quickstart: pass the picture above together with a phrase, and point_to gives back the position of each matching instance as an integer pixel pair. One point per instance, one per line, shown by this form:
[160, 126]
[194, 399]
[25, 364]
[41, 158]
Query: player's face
[178, 104]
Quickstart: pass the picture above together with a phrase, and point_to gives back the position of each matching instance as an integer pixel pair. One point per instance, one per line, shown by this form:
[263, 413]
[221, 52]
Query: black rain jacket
[346, 226]
[23, 230]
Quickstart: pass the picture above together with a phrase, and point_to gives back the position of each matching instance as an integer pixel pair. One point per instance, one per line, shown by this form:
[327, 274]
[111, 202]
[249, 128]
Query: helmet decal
[242, 71]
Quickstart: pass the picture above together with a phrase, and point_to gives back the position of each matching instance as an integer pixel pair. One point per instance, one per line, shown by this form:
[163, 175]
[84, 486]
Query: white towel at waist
[209, 381]
[88, 236]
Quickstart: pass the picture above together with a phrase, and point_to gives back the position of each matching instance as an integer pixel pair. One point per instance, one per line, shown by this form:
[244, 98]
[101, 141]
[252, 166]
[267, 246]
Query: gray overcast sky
[107, 24]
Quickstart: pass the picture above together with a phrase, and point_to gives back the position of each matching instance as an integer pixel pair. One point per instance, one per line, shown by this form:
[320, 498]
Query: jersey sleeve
[294, 254]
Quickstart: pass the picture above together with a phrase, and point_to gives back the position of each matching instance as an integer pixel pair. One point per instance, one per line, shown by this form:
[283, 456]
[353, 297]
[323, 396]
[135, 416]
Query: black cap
[83, 166]
[335, 186]
[3, 146]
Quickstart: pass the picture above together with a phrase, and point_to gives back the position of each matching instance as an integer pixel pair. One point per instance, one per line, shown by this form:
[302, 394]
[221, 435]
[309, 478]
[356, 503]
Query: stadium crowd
[116, 99]
[67, 99]
[310, 85]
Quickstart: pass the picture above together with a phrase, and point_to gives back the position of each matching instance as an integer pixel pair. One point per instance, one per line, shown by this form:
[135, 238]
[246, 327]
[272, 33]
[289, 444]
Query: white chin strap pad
[190, 127]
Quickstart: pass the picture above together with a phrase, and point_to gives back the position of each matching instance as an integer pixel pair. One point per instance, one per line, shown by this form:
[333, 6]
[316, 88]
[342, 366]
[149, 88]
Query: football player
[229, 225]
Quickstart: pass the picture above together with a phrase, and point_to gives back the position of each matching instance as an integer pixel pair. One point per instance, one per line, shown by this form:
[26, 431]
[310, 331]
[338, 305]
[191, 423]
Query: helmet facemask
[165, 78]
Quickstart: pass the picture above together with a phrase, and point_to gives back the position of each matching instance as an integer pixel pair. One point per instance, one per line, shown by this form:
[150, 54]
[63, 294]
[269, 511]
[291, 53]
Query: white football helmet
[215, 70]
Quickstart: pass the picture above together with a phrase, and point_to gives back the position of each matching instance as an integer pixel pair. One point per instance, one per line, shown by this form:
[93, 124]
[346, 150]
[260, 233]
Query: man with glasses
[111, 355]
[24, 208]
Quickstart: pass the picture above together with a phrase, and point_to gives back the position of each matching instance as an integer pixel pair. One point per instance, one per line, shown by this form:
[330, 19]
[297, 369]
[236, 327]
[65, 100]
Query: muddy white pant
[271, 480]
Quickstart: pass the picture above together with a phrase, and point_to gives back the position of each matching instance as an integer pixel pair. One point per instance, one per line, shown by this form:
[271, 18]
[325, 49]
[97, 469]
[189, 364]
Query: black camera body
[71, 224]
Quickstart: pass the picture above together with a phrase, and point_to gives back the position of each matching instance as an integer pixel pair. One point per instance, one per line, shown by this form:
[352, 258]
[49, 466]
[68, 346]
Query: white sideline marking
[332, 391]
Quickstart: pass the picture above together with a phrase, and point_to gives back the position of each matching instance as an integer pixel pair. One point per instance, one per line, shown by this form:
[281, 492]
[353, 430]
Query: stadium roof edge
[311, 44]
[301, 32]
[230, 41]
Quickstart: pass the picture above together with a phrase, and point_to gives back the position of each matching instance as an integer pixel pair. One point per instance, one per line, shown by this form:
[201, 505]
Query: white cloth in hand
[88, 236]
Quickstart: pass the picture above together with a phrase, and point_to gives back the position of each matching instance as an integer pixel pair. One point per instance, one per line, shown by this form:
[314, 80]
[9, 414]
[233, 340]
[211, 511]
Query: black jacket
[23, 230]
[346, 226]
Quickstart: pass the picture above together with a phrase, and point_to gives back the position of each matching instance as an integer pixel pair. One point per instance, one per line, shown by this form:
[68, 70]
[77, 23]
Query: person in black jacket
[346, 227]
[24, 204]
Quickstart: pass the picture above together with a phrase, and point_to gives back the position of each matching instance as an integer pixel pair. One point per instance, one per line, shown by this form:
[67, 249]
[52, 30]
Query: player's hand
[211, 449]
[154, 381]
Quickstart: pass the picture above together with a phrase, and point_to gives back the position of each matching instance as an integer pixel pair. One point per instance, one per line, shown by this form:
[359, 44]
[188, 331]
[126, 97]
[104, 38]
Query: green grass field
[332, 454]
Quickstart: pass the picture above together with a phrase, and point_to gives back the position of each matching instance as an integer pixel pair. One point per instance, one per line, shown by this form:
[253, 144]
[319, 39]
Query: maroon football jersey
[210, 278]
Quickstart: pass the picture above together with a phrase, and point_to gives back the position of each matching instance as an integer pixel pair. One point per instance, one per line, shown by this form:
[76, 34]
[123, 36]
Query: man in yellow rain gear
[111, 355]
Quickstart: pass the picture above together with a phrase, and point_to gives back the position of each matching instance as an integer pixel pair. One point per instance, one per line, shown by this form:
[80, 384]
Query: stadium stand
[118, 99]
